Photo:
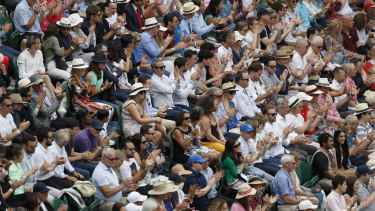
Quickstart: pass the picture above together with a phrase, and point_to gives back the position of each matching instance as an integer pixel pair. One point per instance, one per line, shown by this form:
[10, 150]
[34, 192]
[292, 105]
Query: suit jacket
[132, 19]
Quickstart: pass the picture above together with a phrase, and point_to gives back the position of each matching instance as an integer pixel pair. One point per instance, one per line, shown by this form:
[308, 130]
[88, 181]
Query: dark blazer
[132, 20]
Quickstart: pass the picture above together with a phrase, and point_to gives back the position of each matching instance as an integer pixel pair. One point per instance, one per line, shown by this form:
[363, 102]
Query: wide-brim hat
[64, 22]
[304, 96]
[36, 79]
[163, 187]
[313, 90]
[150, 23]
[371, 164]
[78, 64]
[213, 41]
[323, 82]
[293, 101]
[16, 98]
[75, 19]
[228, 87]
[362, 108]
[188, 8]
[137, 87]
[255, 180]
[99, 57]
[245, 190]
[179, 169]
[24, 82]
[282, 54]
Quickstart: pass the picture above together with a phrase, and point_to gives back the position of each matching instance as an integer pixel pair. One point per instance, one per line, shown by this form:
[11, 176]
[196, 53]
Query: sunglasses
[273, 114]
[161, 67]
[237, 145]
[111, 159]
[9, 105]
[219, 97]
[131, 149]
[142, 92]
[143, 142]
[232, 92]
[186, 118]
[272, 66]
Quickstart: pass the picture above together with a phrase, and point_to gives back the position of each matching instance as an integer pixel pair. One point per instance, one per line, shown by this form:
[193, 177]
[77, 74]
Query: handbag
[86, 188]
[60, 64]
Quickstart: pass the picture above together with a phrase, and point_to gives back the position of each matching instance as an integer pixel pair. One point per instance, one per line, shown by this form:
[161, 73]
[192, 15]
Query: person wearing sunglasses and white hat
[188, 10]
[76, 31]
[67, 43]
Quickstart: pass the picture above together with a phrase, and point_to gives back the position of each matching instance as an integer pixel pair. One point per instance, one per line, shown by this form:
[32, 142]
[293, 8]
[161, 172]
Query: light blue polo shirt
[282, 184]
[22, 15]
[103, 176]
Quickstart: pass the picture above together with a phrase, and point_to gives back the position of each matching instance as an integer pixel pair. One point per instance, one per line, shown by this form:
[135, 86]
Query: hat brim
[283, 57]
[197, 161]
[84, 66]
[196, 8]
[138, 90]
[184, 172]
[317, 92]
[59, 24]
[79, 21]
[317, 84]
[231, 89]
[36, 82]
[98, 60]
[294, 105]
[258, 183]
[253, 191]
[363, 111]
[150, 26]
[307, 98]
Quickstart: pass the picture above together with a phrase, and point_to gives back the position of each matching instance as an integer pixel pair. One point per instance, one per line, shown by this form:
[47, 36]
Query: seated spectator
[43, 155]
[8, 52]
[134, 10]
[240, 53]
[362, 187]
[104, 178]
[336, 200]
[88, 140]
[84, 118]
[171, 23]
[227, 112]
[205, 58]
[218, 204]
[159, 194]
[256, 200]
[17, 104]
[302, 62]
[134, 114]
[135, 200]
[114, 55]
[270, 79]
[29, 146]
[360, 79]
[42, 193]
[32, 202]
[256, 89]
[245, 192]
[245, 103]
[213, 137]
[344, 101]
[350, 73]
[76, 31]
[79, 88]
[15, 153]
[105, 134]
[129, 43]
[282, 63]
[53, 54]
[208, 174]
[234, 162]
[342, 154]
[30, 61]
[349, 34]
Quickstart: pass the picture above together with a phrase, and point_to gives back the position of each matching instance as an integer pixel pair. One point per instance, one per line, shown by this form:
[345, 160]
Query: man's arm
[108, 192]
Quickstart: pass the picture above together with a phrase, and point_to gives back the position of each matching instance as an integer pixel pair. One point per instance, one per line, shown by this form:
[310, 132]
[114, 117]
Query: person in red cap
[369, 8]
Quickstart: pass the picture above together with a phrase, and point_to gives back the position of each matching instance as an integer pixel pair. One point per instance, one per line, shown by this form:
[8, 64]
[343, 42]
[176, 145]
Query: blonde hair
[296, 155]
[294, 109]
[140, 103]
[348, 67]
[225, 101]
[334, 29]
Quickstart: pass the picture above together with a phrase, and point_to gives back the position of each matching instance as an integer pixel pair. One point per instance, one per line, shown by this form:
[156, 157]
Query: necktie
[139, 19]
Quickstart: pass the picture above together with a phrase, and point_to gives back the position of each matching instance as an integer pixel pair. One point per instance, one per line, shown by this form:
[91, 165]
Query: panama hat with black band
[150, 23]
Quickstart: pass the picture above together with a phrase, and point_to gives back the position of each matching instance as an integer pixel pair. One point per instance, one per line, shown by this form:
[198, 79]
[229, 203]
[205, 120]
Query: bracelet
[100, 148]
[11, 190]
[227, 117]
[18, 131]
[195, 44]
[154, 119]
[197, 97]
[102, 89]
[36, 109]
[209, 81]
[72, 48]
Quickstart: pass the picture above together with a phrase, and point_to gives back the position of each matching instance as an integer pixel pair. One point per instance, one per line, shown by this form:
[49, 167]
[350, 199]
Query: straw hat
[213, 41]
[163, 187]
[78, 64]
[323, 82]
[24, 82]
[16, 98]
[282, 54]
[303, 96]
[189, 8]
[228, 87]
[255, 180]
[179, 169]
[150, 23]
[137, 87]
[245, 190]
[75, 19]
[313, 90]
[293, 101]
[64, 22]
[361, 108]
[371, 164]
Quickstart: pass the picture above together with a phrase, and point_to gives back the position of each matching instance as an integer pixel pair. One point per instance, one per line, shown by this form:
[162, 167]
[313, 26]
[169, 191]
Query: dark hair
[13, 150]
[207, 104]
[102, 114]
[143, 79]
[211, 8]
[121, 9]
[244, 201]
[226, 34]
[122, 144]
[359, 21]
[337, 180]
[81, 114]
[52, 30]
[93, 66]
[189, 53]
[337, 70]
[93, 10]
[98, 48]
[323, 138]
[23, 91]
[238, 76]
[255, 67]
[196, 113]
[168, 18]
[31, 201]
[180, 62]
[251, 20]
[144, 129]
[267, 60]
[180, 117]
[71, 122]
[227, 78]
[277, 6]
[126, 39]
[204, 54]
[207, 46]
[228, 152]
[266, 109]
[31, 41]
[114, 52]
[42, 133]
[354, 60]
[3, 98]
[310, 31]
[345, 151]
[363, 50]
[197, 2]
[137, 139]
[27, 137]
[350, 183]
[117, 206]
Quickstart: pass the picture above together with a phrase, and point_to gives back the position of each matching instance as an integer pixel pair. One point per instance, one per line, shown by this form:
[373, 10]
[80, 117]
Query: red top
[349, 41]
[50, 18]
[304, 114]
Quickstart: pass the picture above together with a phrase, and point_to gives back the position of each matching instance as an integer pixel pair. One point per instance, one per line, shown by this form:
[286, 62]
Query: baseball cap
[40, 187]
[363, 170]
[97, 124]
[247, 128]
[263, 11]
[368, 4]
[196, 158]
[135, 197]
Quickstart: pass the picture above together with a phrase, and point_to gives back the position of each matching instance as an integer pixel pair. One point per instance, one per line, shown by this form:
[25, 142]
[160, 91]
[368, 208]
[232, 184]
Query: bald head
[301, 47]
[347, 22]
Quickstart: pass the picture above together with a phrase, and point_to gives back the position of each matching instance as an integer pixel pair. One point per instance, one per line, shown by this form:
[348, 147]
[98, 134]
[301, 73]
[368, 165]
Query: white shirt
[278, 148]
[111, 20]
[127, 167]
[28, 65]
[6, 127]
[222, 51]
[245, 103]
[162, 90]
[295, 121]
[58, 151]
[255, 89]
[300, 63]
[40, 156]
[346, 9]
[27, 164]
[249, 146]
[183, 89]
[336, 85]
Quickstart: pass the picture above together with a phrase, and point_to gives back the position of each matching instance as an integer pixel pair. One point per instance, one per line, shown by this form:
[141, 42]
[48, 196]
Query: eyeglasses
[320, 47]
[9, 105]
[186, 118]
[232, 92]
[219, 97]
[272, 66]
[237, 145]
[161, 67]
[131, 149]
[143, 142]
[142, 92]
[111, 159]
[245, 79]
[273, 114]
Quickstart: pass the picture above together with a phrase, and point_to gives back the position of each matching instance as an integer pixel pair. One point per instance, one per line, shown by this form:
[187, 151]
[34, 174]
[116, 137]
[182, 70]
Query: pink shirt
[332, 115]
[335, 202]
[352, 88]
[238, 207]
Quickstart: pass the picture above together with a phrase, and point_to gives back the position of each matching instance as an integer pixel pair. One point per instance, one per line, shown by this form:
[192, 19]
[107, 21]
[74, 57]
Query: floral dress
[214, 69]
[80, 96]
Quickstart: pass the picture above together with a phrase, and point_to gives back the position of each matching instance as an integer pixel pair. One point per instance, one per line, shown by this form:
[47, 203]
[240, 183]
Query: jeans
[85, 166]
[268, 167]
[84, 172]
[121, 94]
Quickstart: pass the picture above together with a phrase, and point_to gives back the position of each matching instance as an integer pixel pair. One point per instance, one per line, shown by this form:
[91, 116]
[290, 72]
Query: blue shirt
[199, 25]
[148, 47]
[279, 72]
[199, 179]
[22, 15]
[177, 39]
[221, 113]
[103, 176]
[226, 11]
[66, 42]
[186, 28]
[208, 174]
[282, 184]
[304, 14]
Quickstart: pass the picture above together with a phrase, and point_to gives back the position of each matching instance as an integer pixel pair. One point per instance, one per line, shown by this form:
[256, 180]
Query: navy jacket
[132, 20]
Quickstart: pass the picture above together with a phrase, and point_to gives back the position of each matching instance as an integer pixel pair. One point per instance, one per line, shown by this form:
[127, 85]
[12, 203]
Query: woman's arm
[177, 135]
[133, 111]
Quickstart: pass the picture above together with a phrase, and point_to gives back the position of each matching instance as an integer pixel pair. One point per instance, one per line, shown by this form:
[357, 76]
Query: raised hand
[24, 125]
[6, 27]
